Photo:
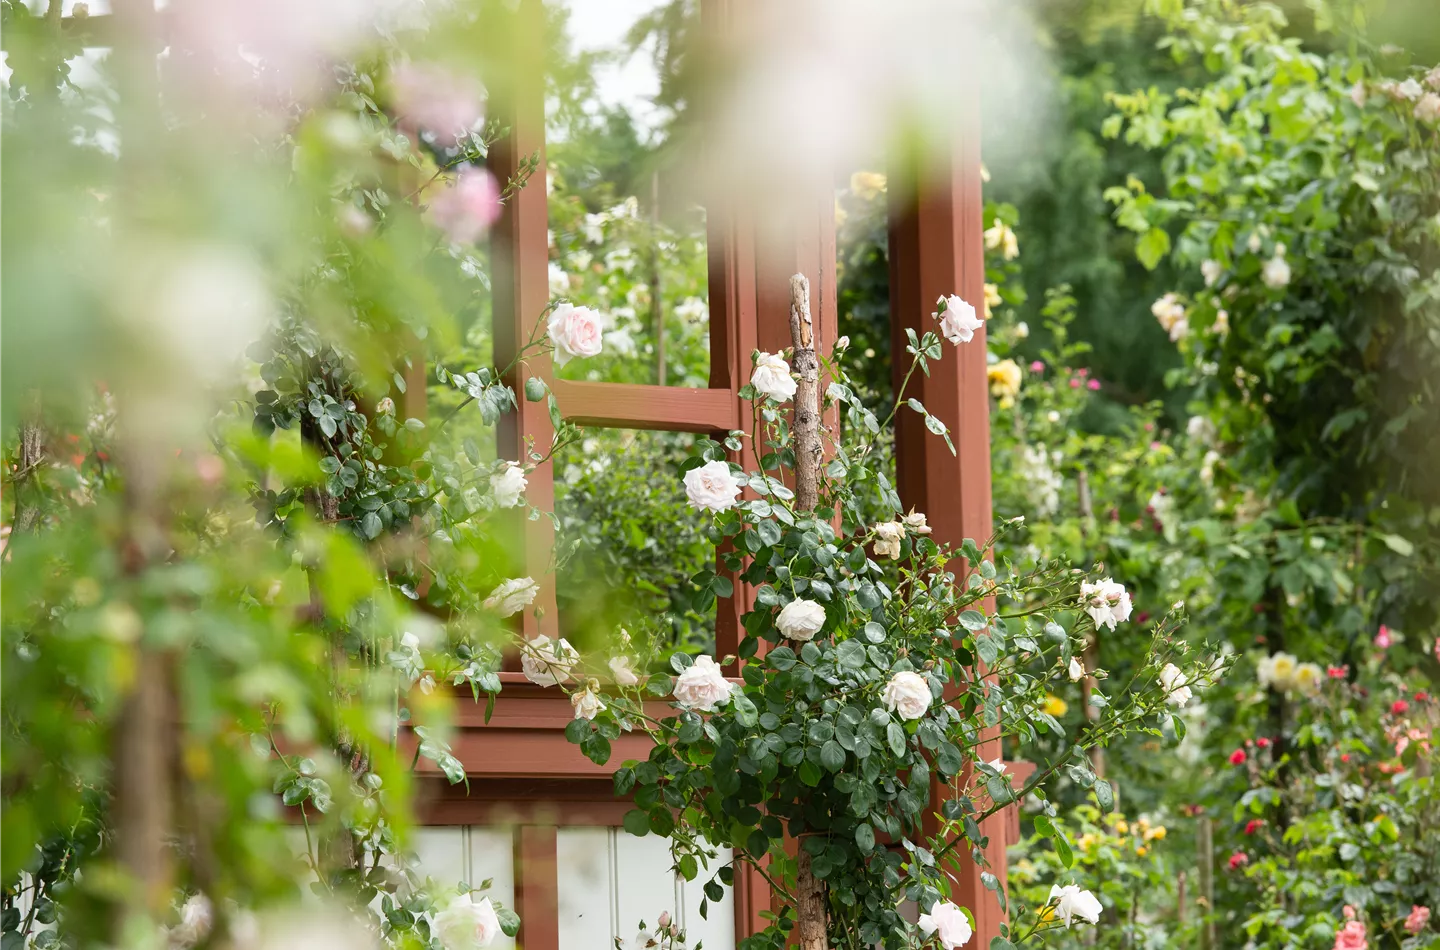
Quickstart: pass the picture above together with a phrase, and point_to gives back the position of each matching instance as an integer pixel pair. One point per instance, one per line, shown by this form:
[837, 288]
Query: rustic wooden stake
[1205, 847]
[807, 399]
[811, 917]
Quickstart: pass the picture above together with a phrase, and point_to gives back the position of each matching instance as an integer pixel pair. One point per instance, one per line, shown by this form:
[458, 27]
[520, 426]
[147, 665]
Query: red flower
[1421, 696]
[1237, 757]
[1337, 672]
[1263, 742]
[1382, 637]
[1345, 757]
[1399, 707]
[1239, 859]
[1253, 825]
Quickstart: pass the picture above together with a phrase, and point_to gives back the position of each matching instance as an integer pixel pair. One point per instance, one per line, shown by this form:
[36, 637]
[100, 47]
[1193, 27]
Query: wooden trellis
[524, 772]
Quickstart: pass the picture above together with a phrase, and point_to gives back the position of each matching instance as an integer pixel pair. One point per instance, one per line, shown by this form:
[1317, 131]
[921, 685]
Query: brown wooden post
[520, 250]
[537, 887]
[936, 249]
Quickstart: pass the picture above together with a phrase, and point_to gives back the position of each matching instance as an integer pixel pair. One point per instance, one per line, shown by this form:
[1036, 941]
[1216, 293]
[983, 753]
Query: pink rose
[1382, 638]
[434, 100]
[466, 209]
[1351, 936]
[1419, 917]
[574, 331]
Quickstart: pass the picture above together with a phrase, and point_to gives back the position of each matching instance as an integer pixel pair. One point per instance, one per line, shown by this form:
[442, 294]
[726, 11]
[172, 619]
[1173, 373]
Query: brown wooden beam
[628, 406]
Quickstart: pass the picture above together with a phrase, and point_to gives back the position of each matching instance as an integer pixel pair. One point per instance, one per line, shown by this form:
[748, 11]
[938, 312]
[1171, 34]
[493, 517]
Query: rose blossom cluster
[1283, 673]
[1172, 316]
[1107, 602]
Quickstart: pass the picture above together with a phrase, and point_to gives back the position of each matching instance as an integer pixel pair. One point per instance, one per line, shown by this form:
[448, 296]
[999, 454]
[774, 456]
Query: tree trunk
[811, 917]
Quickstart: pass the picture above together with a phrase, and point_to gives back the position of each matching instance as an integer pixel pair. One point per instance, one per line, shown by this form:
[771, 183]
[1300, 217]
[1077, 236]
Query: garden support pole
[809, 892]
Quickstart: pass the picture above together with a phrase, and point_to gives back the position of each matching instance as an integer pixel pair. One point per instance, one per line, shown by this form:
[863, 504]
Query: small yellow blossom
[1088, 840]
[1004, 378]
[992, 298]
[1000, 237]
[1055, 706]
[1141, 851]
[1155, 834]
[867, 185]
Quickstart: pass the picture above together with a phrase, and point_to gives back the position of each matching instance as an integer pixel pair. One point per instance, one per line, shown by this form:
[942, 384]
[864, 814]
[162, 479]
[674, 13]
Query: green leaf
[896, 737]
[973, 620]
[636, 822]
[865, 837]
[850, 654]
[509, 921]
[371, 525]
[1105, 795]
[1062, 851]
[832, 756]
[535, 389]
[781, 658]
[1399, 545]
[1150, 248]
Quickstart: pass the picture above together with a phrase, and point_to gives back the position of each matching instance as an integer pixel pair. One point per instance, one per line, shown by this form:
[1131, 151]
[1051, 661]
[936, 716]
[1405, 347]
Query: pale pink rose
[702, 686]
[575, 331]
[586, 703]
[432, 99]
[547, 662]
[1428, 108]
[958, 322]
[1419, 917]
[801, 619]
[712, 487]
[465, 924]
[907, 695]
[466, 209]
[621, 671]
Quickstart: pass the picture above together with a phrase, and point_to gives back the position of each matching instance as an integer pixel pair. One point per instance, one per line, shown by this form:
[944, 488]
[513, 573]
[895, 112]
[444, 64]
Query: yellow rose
[1308, 678]
[1088, 841]
[867, 185]
[1055, 706]
[1141, 851]
[992, 298]
[1004, 378]
[1155, 834]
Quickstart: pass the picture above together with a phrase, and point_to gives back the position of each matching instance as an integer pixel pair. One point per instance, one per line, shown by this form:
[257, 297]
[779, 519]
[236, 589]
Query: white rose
[587, 704]
[1176, 692]
[1428, 108]
[507, 485]
[464, 924]
[712, 487]
[1409, 89]
[1201, 429]
[907, 694]
[1072, 901]
[959, 321]
[1308, 678]
[948, 923]
[702, 686]
[1022, 330]
[1076, 670]
[197, 916]
[547, 662]
[772, 377]
[888, 535]
[1211, 271]
[1276, 272]
[1106, 602]
[915, 522]
[575, 331]
[621, 671]
[801, 619]
[1254, 242]
[512, 596]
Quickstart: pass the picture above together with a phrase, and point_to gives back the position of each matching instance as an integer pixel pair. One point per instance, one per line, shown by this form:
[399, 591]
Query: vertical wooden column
[937, 249]
[537, 887]
[520, 254]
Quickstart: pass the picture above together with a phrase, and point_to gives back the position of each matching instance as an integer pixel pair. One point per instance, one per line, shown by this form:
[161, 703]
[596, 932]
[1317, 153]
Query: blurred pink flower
[432, 99]
[1351, 936]
[1382, 638]
[1419, 917]
[1094, 384]
[1037, 367]
[1074, 383]
[466, 209]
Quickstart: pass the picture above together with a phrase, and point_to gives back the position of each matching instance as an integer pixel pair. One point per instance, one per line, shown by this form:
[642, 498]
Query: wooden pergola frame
[525, 773]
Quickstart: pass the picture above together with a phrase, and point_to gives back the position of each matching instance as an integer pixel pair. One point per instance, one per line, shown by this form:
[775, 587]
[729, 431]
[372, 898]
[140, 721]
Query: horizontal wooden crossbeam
[628, 406]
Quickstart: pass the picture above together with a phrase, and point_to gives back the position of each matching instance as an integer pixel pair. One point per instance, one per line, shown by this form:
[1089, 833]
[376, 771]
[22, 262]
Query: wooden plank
[936, 249]
[537, 888]
[627, 406]
[520, 258]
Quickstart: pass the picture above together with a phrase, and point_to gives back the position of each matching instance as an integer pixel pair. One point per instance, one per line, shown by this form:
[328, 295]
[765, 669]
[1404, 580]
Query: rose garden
[912, 476]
